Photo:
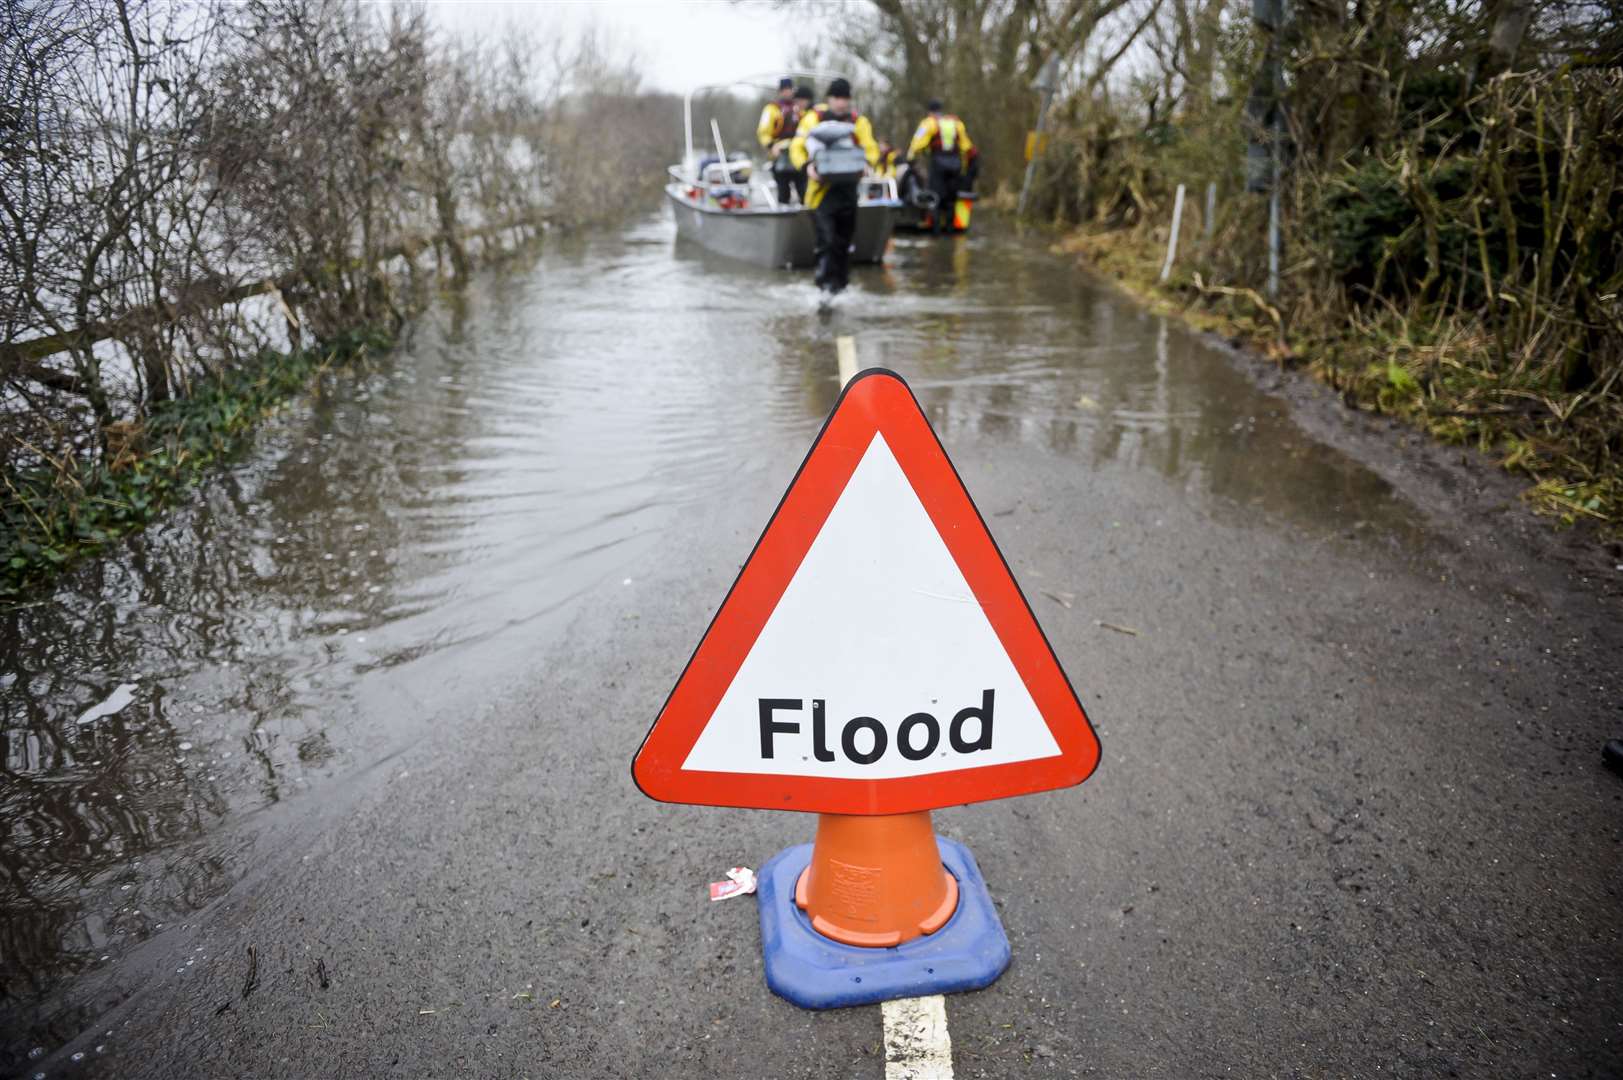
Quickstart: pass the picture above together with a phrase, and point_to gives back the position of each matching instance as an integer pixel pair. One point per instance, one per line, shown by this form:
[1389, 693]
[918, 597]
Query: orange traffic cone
[962, 207]
[876, 881]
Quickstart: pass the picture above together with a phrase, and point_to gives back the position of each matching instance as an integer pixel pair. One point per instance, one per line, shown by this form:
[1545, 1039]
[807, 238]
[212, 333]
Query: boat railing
[879, 189]
[765, 81]
[727, 174]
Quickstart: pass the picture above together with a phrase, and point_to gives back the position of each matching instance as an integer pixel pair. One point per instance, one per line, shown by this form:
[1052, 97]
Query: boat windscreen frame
[759, 82]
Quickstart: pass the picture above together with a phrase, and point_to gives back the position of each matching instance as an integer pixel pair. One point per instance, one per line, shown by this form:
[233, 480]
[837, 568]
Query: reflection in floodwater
[1027, 352]
[403, 541]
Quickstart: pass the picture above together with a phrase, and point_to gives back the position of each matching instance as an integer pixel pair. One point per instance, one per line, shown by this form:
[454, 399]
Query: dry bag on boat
[833, 149]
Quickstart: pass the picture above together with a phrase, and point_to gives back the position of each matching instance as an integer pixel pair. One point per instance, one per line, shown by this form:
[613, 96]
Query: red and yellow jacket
[943, 133]
[862, 133]
[777, 127]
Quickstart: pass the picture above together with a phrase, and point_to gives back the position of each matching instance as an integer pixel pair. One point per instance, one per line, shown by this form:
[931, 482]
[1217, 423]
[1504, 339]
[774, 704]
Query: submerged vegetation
[201, 204]
[62, 509]
[1450, 192]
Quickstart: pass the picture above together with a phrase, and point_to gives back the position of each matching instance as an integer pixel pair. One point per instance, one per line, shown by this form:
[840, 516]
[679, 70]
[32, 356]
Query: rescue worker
[835, 145]
[951, 155]
[778, 122]
[804, 96]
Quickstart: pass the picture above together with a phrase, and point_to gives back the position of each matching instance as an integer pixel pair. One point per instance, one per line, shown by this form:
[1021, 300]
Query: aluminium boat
[728, 206]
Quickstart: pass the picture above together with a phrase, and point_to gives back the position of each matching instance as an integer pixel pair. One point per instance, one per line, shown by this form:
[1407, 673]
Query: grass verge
[1433, 369]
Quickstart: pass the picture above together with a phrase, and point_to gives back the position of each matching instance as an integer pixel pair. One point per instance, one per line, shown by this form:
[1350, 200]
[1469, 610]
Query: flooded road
[397, 549]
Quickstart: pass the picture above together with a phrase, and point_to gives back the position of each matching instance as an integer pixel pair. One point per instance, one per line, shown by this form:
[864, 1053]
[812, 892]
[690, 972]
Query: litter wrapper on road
[740, 882]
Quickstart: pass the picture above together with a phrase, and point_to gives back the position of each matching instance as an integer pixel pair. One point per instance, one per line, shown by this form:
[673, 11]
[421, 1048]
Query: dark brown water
[397, 547]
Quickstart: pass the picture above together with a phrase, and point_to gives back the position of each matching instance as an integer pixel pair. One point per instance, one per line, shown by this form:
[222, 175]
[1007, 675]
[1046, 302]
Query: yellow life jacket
[787, 120]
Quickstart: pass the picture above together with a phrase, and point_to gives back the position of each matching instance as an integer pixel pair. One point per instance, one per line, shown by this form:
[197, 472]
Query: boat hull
[875, 222]
[776, 238]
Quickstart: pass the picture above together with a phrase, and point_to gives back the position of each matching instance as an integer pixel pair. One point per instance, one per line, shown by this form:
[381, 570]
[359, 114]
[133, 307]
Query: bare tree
[980, 56]
[165, 161]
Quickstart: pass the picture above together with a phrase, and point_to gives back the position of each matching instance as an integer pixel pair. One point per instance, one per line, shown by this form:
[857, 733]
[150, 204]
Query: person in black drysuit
[778, 123]
[833, 199]
[797, 177]
[943, 140]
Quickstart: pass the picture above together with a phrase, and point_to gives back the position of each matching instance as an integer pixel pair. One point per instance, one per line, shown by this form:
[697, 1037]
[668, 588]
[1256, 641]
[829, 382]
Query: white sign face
[878, 662]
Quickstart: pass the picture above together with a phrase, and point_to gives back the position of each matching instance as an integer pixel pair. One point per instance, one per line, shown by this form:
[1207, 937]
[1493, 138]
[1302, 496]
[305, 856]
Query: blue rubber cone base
[816, 972]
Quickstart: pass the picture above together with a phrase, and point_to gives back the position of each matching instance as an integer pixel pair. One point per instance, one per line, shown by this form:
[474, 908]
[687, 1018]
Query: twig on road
[253, 973]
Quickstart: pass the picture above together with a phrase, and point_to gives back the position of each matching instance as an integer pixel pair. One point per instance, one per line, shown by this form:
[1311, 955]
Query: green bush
[51, 515]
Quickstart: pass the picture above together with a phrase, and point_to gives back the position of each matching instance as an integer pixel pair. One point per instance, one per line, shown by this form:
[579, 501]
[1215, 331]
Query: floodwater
[403, 542]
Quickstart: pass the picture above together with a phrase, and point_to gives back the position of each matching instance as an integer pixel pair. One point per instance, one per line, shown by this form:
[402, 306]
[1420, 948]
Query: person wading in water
[779, 120]
[953, 159]
[835, 145]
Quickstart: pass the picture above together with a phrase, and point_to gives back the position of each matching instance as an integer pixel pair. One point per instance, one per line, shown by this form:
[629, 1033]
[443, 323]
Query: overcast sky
[681, 43]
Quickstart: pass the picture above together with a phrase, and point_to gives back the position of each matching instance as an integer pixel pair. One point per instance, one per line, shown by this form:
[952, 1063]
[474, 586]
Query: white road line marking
[845, 349]
[917, 1046]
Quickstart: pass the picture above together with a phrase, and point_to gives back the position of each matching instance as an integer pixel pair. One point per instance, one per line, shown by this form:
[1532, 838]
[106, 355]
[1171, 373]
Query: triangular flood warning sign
[875, 655]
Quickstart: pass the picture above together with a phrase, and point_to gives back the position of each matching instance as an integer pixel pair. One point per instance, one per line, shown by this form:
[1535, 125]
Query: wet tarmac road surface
[368, 708]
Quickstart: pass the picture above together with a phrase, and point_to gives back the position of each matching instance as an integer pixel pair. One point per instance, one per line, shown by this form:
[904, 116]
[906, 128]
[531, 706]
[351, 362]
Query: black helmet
[804, 93]
[934, 105]
[785, 83]
[839, 88]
